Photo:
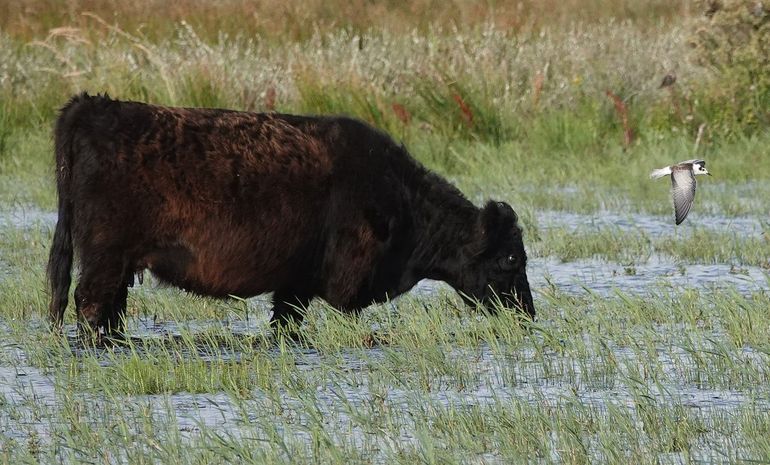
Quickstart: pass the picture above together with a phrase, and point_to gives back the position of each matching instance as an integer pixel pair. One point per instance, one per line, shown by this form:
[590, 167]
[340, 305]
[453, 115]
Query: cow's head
[493, 266]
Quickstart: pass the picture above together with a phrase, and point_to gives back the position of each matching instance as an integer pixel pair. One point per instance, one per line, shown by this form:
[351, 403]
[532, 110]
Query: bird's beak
[709, 174]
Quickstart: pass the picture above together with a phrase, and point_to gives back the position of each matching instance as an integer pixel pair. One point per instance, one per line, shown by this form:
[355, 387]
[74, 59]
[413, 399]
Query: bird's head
[699, 168]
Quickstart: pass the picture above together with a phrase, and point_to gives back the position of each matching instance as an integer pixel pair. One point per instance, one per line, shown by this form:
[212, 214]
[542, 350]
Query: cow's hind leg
[100, 296]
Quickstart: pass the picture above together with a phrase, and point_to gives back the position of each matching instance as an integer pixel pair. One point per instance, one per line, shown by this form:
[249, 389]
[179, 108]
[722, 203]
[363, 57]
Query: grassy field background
[651, 343]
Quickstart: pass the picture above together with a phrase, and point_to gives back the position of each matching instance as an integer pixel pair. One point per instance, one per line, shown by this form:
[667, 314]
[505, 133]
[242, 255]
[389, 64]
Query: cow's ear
[498, 216]
[496, 219]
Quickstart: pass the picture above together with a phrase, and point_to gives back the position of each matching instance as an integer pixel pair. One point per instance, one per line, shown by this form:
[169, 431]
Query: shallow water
[146, 327]
[605, 278]
[650, 224]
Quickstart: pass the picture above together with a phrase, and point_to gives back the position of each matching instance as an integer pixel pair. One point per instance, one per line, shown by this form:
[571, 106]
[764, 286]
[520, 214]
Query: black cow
[222, 202]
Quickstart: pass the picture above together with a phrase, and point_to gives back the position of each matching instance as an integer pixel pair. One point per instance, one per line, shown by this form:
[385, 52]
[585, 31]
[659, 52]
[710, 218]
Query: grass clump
[698, 245]
[733, 37]
[702, 246]
[164, 371]
[612, 245]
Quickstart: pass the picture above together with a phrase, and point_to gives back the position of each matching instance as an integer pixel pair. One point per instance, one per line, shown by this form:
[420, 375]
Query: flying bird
[682, 184]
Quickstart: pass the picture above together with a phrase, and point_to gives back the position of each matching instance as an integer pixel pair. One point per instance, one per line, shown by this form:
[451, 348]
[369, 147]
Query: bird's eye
[511, 259]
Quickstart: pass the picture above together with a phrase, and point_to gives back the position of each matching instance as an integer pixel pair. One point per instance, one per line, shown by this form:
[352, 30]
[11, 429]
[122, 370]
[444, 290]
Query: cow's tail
[61, 255]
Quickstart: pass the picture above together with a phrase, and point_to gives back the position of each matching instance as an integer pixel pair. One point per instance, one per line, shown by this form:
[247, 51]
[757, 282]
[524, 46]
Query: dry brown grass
[299, 19]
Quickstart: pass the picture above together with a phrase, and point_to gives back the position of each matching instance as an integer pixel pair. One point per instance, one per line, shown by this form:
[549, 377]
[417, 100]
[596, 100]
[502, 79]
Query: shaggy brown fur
[221, 203]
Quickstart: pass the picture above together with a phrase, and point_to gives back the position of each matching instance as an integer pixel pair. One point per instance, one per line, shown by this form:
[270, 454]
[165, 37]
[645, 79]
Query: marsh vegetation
[651, 342]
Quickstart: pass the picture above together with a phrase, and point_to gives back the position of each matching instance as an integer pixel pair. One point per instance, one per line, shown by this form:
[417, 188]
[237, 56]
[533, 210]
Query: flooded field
[651, 343]
[656, 360]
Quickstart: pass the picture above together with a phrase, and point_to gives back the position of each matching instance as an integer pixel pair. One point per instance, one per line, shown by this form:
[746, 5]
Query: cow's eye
[507, 263]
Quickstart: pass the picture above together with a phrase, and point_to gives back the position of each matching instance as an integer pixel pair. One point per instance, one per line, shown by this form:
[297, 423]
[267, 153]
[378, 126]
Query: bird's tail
[659, 173]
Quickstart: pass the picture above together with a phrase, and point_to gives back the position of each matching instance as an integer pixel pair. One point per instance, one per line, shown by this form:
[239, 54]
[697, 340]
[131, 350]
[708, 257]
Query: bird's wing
[693, 162]
[683, 191]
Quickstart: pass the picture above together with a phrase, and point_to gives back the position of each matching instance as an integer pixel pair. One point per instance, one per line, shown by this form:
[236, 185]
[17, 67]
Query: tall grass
[483, 102]
[479, 83]
[299, 20]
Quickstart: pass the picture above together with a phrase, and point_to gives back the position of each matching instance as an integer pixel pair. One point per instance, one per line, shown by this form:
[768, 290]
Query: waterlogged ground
[642, 353]
[651, 343]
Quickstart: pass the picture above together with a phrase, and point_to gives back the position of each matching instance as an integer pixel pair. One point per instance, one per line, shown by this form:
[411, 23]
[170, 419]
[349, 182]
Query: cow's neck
[445, 222]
